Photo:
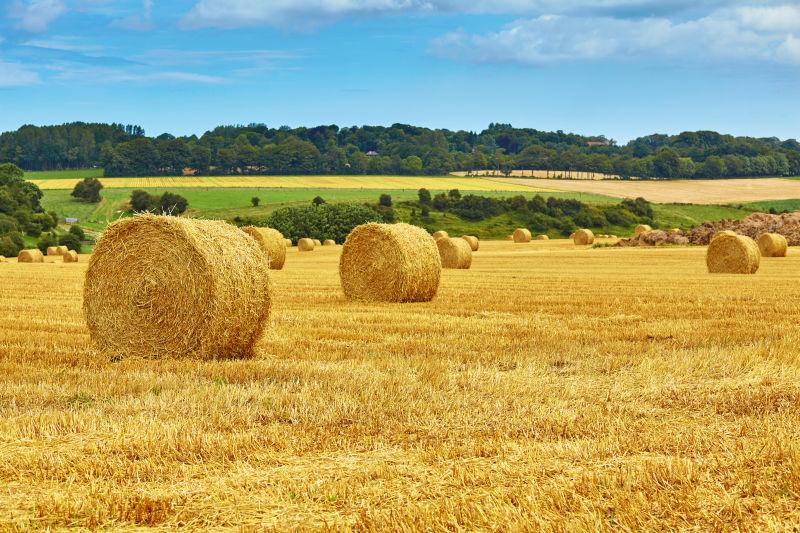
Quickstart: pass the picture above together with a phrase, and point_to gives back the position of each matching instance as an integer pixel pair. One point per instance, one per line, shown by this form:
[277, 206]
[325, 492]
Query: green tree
[70, 241]
[255, 200]
[424, 196]
[318, 200]
[88, 190]
[141, 201]
[385, 200]
[173, 204]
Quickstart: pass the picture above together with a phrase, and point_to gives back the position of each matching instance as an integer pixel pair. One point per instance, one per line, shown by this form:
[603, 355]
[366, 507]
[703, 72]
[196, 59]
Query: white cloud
[770, 18]
[139, 22]
[16, 75]
[36, 15]
[64, 43]
[723, 34]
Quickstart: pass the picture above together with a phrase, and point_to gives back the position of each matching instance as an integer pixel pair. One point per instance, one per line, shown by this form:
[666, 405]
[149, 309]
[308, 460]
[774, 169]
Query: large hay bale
[542, 237]
[642, 228]
[53, 250]
[583, 237]
[271, 242]
[390, 263]
[32, 255]
[732, 254]
[441, 234]
[328, 242]
[772, 245]
[454, 253]
[522, 235]
[71, 256]
[472, 241]
[305, 245]
[163, 286]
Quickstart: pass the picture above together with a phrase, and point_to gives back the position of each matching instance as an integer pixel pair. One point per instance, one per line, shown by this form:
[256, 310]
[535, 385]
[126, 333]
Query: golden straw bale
[472, 241]
[772, 245]
[163, 286]
[328, 242]
[728, 232]
[510, 238]
[522, 235]
[271, 242]
[454, 253]
[62, 250]
[642, 228]
[305, 245]
[71, 256]
[288, 242]
[390, 263]
[32, 255]
[542, 237]
[317, 242]
[53, 250]
[732, 254]
[441, 234]
[2, 259]
[583, 236]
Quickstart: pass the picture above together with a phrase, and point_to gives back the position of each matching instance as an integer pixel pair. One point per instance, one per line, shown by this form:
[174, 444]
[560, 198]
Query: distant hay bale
[163, 286]
[472, 241]
[642, 228]
[542, 237]
[454, 253]
[32, 255]
[2, 259]
[305, 245]
[271, 242]
[328, 242]
[510, 238]
[62, 250]
[441, 234]
[772, 245]
[71, 256]
[317, 242]
[53, 250]
[732, 254]
[390, 263]
[522, 235]
[288, 242]
[583, 237]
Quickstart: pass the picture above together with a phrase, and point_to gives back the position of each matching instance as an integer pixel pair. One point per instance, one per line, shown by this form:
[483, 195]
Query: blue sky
[622, 68]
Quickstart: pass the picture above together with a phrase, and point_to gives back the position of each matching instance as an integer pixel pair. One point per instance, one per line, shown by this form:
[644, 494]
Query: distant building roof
[70, 220]
[372, 153]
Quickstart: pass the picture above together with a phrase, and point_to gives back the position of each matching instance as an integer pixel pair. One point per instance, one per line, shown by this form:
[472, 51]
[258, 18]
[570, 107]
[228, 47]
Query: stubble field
[548, 387]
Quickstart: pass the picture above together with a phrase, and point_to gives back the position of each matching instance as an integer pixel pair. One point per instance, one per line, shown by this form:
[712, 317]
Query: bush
[318, 200]
[440, 202]
[168, 203]
[78, 232]
[322, 221]
[141, 201]
[70, 241]
[88, 190]
[255, 200]
[173, 204]
[33, 230]
[385, 200]
[47, 241]
[11, 243]
[424, 196]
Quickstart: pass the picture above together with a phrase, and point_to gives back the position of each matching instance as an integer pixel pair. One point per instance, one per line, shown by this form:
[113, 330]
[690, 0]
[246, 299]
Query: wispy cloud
[95, 75]
[138, 22]
[64, 43]
[727, 34]
[36, 15]
[17, 75]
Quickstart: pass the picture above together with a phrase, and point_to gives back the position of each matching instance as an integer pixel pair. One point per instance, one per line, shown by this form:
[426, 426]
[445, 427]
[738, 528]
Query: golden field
[298, 182]
[548, 387]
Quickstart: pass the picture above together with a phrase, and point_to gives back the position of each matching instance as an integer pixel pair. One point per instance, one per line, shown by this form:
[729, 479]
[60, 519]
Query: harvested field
[721, 191]
[655, 397]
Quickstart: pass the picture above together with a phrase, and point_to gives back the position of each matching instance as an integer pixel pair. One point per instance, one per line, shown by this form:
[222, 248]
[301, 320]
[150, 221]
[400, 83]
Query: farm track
[548, 387]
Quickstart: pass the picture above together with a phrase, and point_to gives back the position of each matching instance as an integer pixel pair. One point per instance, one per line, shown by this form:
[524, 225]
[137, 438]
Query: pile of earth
[787, 224]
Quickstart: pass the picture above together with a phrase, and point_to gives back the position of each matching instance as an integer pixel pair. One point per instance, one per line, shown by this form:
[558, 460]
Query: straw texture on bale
[288, 242]
[328, 242]
[317, 242]
[441, 234]
[305, 245]
[733, 254]
[53, 250]
[62, 250]
[70, 257]
[728, 232]
[583, 236]
[30, 256]
[472, 241]
[642, 228]
[522, 235]
[390, 263]
[542, 237]
[454, 253]
[271, 242]
[163, 286]
[772, 245]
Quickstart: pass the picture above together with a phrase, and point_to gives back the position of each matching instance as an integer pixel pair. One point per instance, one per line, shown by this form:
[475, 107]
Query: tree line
[397, 149]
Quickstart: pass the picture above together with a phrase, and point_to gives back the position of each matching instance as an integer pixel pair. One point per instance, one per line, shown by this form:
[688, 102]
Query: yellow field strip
[301, 182]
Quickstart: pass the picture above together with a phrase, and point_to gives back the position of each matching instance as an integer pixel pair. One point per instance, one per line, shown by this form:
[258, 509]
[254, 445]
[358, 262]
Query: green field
[64, 174]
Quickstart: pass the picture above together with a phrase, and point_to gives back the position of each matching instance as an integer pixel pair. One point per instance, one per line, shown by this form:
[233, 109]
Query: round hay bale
[390, 263]
[30, 256]
[62, 250]
[70, 257]
[772, 245]
[305, 245]
[522, 235]
[52, 250]
[583, 237]
[642, 228]
[472, 241]
[454, 253]
[441, 234]
[271, 241]
[317, 242]
[728, 232]
[732, 254]
[510, 238]
[163, 286]
[2, 259]
[288, 242]
[328, 242]
[542, 237]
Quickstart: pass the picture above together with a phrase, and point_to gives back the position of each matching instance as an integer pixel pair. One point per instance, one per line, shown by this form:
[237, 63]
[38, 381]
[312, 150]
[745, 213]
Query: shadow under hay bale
[271, 242]
[454, 253]
[163, 286]
[732, 254]
[390, 263]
